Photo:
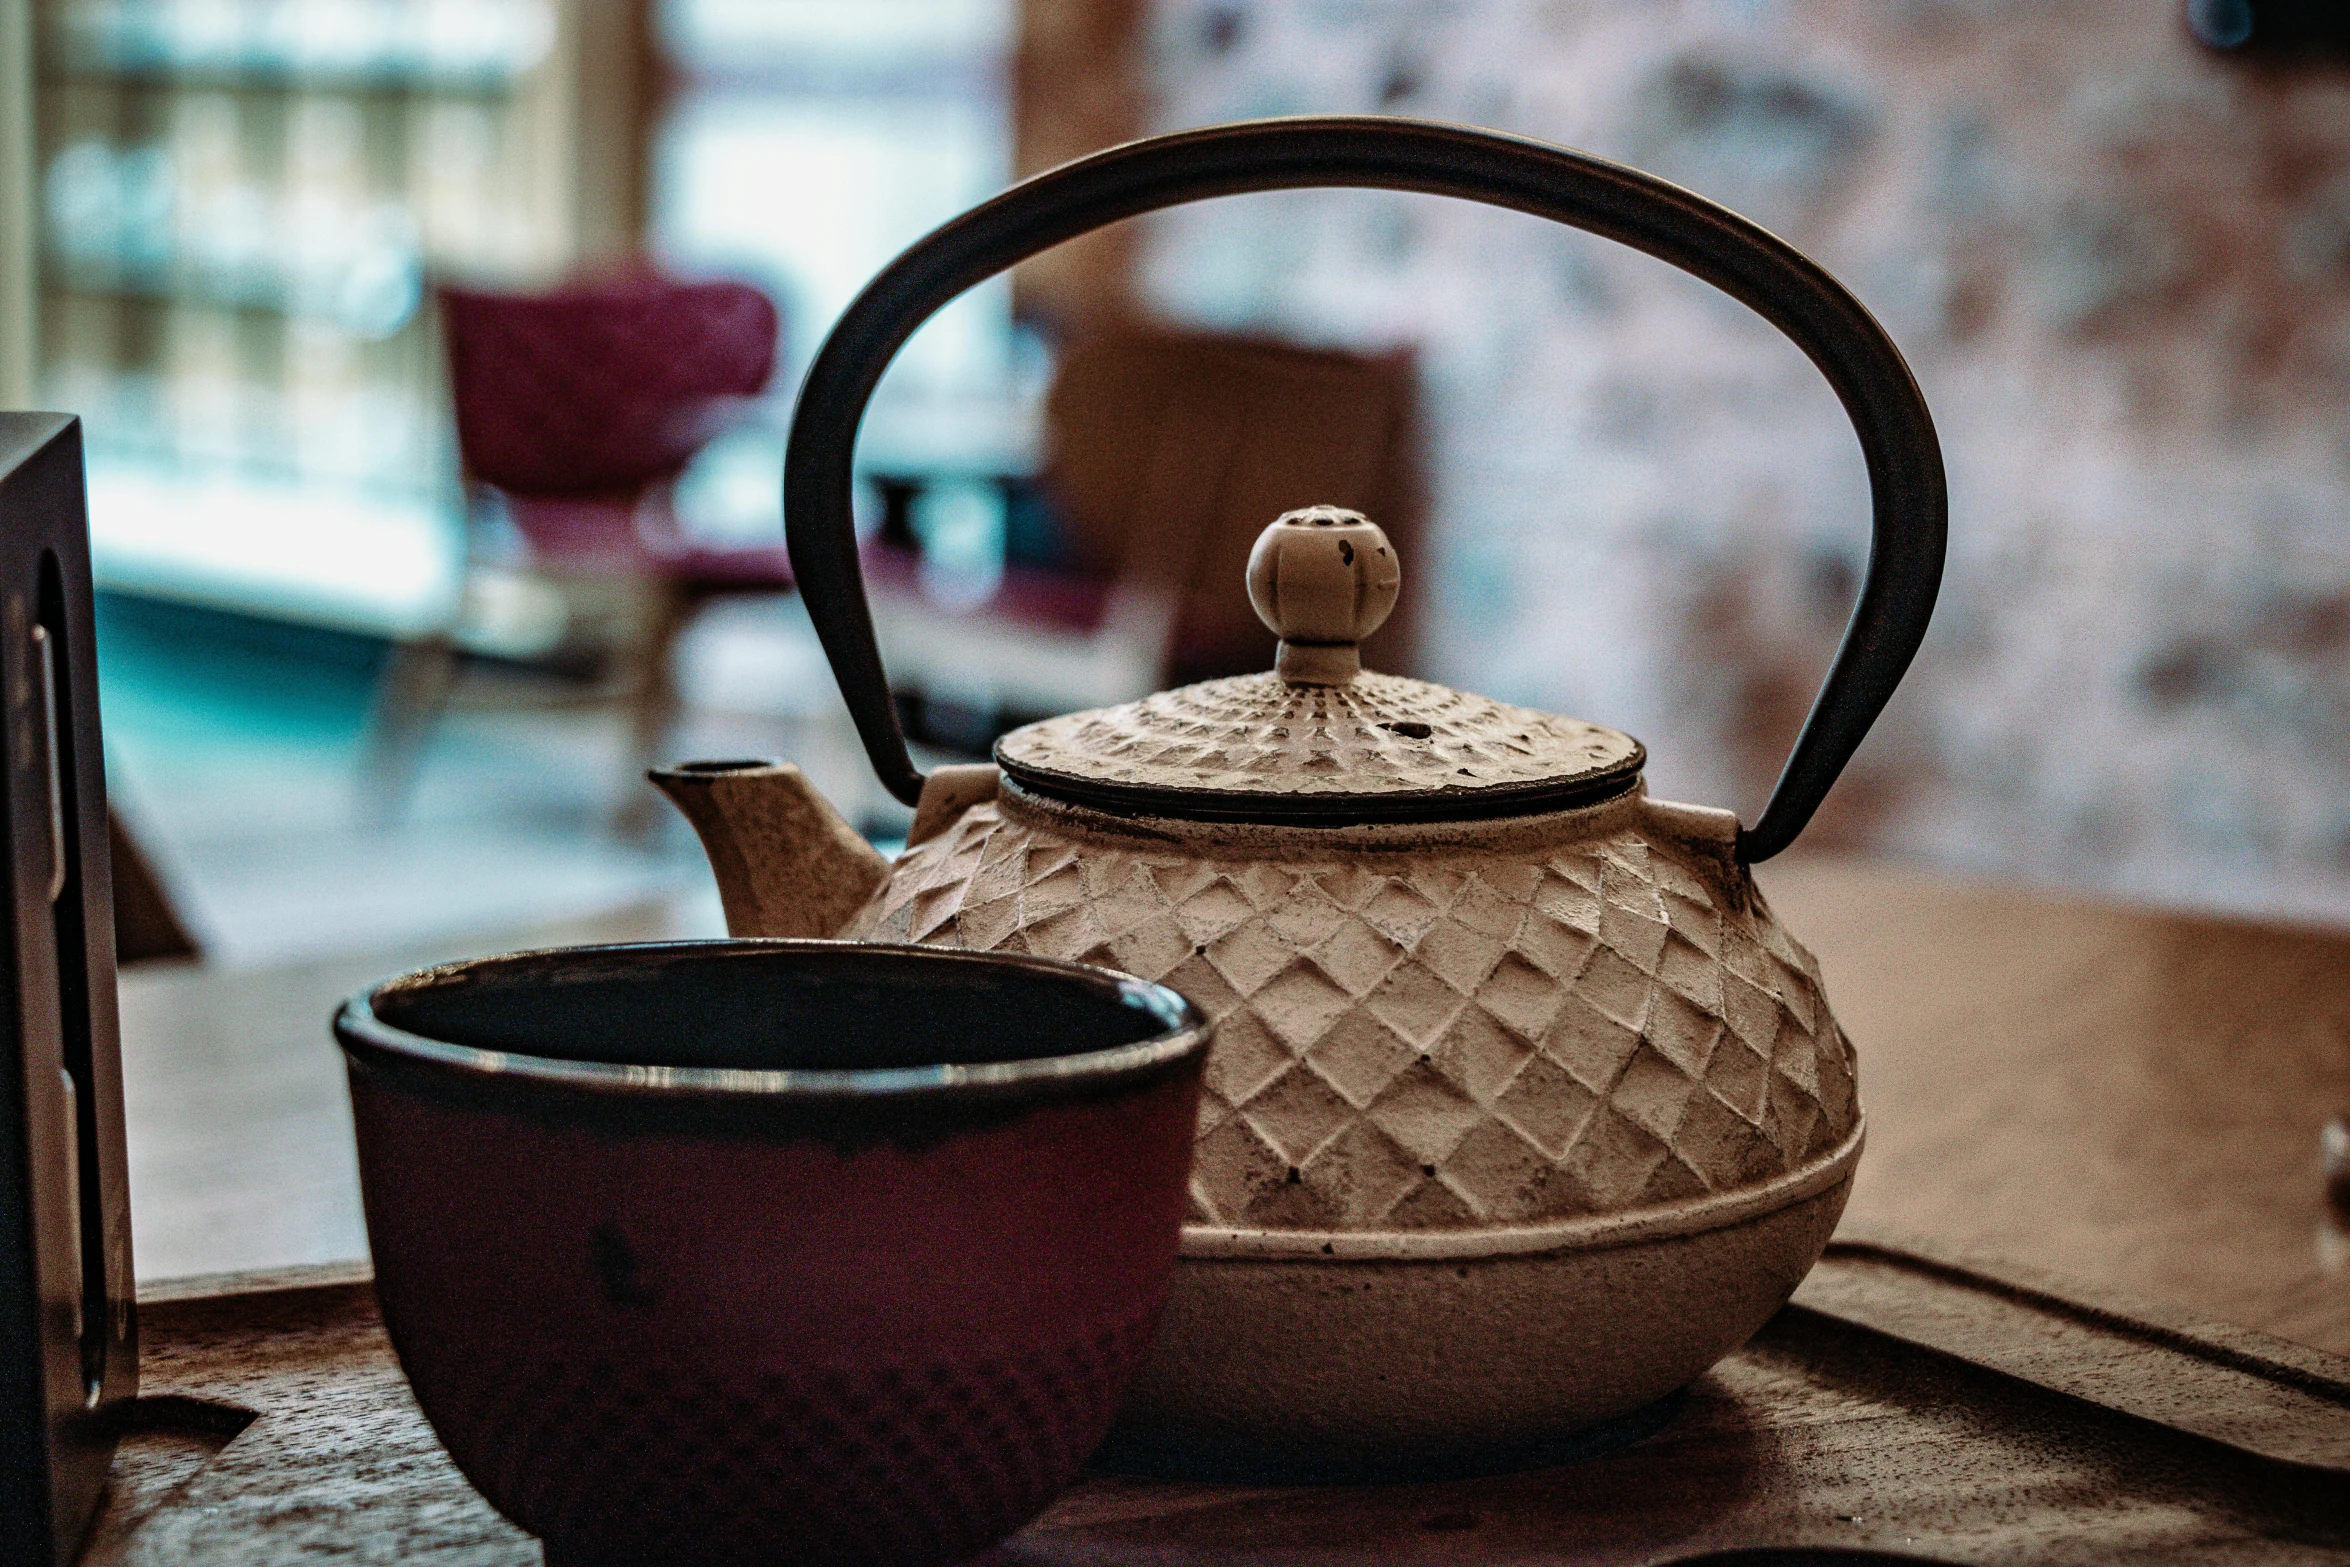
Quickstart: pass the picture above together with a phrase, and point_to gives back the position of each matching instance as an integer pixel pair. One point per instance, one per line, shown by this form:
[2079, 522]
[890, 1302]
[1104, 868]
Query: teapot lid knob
[1322, 578]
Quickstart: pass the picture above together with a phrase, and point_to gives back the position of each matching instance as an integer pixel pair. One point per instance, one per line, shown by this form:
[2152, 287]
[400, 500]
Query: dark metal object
[1572, 792]
[68, 1332]
[1745, 261]
[2270, 27]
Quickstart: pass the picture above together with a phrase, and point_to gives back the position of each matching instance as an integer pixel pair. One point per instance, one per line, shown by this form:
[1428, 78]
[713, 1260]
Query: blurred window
[240, 201]
[806, 142]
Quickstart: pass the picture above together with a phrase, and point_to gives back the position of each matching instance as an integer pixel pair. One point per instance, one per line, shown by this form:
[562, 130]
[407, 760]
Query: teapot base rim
[1582, 1232]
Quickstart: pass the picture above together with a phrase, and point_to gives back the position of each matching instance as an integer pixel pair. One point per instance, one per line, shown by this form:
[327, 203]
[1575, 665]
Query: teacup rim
[1185, 1032]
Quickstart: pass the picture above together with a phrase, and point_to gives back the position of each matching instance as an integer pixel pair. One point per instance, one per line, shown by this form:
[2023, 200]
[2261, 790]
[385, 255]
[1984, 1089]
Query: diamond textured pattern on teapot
[1431, 1040]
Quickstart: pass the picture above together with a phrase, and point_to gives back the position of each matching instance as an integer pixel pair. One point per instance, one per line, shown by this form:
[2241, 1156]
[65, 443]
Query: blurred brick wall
[1079, 83]
[2121, 269]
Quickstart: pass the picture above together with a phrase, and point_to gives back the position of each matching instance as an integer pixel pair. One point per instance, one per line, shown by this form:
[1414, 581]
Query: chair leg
[653, 711]
[411, 695]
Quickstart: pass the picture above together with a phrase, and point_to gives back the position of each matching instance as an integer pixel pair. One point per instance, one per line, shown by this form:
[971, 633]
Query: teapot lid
[1318, 740]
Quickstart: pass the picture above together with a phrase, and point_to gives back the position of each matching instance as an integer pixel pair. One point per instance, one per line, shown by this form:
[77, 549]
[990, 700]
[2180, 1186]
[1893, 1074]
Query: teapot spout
[787, 863]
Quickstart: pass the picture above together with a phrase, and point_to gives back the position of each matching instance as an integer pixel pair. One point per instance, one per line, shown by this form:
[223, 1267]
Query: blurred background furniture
[147, 925]
[1164, 453]
[231, 211]
[575, 411]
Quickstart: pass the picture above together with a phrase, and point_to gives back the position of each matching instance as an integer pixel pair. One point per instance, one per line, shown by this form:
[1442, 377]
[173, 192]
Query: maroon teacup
[766, 1251]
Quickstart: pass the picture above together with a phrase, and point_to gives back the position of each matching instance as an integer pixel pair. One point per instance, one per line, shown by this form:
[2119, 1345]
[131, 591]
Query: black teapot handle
[1743, 260]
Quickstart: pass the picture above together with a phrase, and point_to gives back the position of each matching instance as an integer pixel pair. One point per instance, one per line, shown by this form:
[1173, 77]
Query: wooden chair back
[1168, 451]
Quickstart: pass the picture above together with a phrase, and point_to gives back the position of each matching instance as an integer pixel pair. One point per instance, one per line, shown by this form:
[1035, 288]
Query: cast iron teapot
[1523, 1108]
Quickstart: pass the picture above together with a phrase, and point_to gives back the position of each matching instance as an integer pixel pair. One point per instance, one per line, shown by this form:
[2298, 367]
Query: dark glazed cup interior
[771, 1251]
[841, 1028]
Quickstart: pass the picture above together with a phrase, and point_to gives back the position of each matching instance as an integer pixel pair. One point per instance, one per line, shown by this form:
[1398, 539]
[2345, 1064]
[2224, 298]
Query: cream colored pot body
[1511, 1126]
[1289, 1357]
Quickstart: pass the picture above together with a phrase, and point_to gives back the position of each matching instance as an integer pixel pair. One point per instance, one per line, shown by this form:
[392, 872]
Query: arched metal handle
[1745, 261]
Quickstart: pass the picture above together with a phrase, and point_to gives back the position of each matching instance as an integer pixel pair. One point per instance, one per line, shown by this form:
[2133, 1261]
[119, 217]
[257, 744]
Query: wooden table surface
[2125, 1097]
[1901, 1403]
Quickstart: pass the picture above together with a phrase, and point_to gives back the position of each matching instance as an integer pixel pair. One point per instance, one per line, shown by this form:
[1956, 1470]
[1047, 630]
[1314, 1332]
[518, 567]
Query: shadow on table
[1626, 1504]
